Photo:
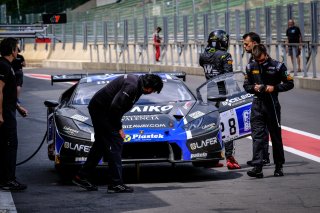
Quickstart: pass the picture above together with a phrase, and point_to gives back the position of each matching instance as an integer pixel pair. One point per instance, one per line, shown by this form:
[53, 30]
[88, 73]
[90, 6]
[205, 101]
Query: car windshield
[172, 91]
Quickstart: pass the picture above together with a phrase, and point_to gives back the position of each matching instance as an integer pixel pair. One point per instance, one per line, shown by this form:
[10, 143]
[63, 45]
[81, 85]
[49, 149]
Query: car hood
[146, 115]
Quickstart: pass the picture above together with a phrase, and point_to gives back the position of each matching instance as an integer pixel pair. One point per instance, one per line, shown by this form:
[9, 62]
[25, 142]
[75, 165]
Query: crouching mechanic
[106, 109]
[215, 60]
[265, 78]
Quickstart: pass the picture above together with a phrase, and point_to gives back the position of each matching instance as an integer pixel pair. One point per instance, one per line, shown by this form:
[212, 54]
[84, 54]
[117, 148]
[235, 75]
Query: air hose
[37, 150]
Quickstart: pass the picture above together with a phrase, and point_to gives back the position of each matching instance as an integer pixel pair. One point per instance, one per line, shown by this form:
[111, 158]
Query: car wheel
[205, 164]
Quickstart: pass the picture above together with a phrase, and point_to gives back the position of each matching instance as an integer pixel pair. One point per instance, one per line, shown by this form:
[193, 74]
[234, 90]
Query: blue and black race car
[173, 126]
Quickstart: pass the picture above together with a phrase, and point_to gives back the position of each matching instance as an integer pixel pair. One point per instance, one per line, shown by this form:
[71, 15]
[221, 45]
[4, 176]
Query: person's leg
[274, 126]
[258, 126]
[298, 60]
[229, 151]
[157, 52]
[115, 160]
[10, 158]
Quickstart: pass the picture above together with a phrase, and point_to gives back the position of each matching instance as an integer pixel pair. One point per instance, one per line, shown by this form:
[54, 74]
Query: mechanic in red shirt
[157, 42]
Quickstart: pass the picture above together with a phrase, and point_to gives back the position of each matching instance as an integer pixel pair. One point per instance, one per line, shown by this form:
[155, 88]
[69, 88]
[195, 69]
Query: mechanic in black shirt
[8, 122]
[293, 34]
[106, 109]
[17, 65]
[249, 41]
[215, 60]
[265, 78]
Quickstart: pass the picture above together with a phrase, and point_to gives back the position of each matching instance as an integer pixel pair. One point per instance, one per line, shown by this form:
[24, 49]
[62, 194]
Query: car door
[233, 102]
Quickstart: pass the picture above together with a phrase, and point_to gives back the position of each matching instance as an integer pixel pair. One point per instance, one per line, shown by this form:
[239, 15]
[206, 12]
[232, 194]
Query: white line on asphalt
[6, 202]
[295, 151]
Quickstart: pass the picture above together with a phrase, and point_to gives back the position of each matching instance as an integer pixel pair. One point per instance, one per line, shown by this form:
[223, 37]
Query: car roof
[109, 77]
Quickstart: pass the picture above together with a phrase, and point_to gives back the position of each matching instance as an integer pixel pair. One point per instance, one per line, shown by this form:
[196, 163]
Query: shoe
[14, 185]
[278, 172]
[255, 172]
[121, 188]
[84, 183]
[232, 163]
[249, 163]
[266, 162]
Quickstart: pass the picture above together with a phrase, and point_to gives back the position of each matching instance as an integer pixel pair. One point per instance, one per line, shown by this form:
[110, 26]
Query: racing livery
[173, 126]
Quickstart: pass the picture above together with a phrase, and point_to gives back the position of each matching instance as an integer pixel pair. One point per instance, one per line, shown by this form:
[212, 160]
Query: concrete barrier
[100, 58]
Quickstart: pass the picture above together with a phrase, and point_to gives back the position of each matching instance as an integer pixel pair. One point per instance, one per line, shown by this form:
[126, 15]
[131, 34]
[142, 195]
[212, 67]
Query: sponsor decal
[147, 136]
[209, 126]
[80, 159]
[140, 118]
[196, 114]
[246, 119]
[70, 131]
[76, 147]
[132, 126]
[151, 108]
[236, 100]
[255, 72]
[79, 117]
[203, 143]
[199, 155]
[127, 138]
[187, 105]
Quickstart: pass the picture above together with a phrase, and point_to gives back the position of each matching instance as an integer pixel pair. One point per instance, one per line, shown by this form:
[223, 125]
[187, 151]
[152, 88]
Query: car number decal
[235, 123]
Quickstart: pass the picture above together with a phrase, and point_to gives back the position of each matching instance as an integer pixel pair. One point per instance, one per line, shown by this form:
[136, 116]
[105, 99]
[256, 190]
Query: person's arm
[227, 63]
[23, 63]
[287, 80]
[248, 84]
[1, 101]
[122, 102]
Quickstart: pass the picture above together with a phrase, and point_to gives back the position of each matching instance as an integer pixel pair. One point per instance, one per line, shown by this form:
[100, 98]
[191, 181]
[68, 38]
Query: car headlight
[196, 123]
[84, 127]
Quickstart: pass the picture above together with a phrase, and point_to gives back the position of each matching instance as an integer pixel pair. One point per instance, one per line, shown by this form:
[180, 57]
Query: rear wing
[178, 74]
[71, 77]
[78, 77]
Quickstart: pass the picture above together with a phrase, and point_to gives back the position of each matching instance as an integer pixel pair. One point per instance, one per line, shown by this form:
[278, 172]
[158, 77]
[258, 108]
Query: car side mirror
[51, 103]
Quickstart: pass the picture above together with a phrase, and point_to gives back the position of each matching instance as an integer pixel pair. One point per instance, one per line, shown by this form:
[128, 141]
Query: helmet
[219, 39]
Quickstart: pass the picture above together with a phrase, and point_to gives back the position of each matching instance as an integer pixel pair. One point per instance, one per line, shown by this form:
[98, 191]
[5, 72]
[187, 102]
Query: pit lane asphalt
[163, 188]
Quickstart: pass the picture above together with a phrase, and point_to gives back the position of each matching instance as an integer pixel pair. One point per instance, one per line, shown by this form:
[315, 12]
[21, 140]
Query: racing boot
[84, 183]
[256, 172]
[13, 185]
[120, 188]
[232, 163]
[249, 163]
[278, 172]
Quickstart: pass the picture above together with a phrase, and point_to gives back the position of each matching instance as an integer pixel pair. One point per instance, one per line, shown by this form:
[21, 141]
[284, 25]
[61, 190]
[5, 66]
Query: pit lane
[163, 188]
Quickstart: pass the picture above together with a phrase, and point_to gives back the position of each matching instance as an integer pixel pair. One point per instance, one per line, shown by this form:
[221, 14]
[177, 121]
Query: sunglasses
[261, 59]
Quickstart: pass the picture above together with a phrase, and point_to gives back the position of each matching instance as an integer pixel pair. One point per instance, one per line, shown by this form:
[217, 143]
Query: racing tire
[66, 173]
[205, 164]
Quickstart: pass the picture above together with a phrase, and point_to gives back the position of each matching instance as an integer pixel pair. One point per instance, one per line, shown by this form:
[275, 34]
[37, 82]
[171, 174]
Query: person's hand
[257, 87]
[122, 134]
[22, 111]
[1, 119]
[269, 89]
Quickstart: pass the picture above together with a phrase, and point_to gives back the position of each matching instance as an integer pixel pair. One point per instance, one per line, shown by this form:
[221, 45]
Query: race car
[174, 126]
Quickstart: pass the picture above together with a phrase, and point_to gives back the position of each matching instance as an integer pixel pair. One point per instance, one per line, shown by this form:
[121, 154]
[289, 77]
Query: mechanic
[249, 40]
[17, 65]
[265, 78]
[106, 109]
[215, 60]
[8, 122]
